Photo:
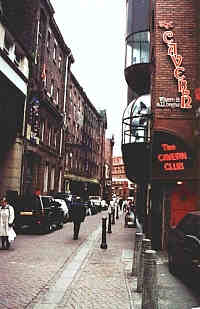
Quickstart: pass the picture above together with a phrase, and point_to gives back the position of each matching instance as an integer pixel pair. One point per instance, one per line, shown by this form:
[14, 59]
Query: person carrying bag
[7, 216]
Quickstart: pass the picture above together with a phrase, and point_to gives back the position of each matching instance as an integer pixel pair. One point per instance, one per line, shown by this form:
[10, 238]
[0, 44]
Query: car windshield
[29, 203]
[187, 224]
[46, 201]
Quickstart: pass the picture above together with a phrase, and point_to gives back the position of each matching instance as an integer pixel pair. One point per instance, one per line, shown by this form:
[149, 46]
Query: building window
[59, 62]
[49, 137]
[138, 48]
[55, 51]
[48, 40]
[42, 131]
[52, 88]
[61, 140]
[46, 172]
[52, 182]
[60, 182]
[57, 96]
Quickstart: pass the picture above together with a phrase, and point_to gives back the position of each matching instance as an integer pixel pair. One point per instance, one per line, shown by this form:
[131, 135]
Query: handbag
[11, 234]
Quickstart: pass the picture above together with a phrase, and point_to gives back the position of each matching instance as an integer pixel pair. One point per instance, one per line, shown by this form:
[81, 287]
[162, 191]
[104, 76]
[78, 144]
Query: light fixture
[179, 182]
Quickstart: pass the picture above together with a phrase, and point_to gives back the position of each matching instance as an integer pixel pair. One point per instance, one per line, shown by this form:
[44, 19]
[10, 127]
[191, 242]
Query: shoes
[75, 237]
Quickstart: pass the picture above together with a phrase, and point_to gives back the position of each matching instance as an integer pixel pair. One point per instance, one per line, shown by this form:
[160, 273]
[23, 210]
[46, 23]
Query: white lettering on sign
[169, 102]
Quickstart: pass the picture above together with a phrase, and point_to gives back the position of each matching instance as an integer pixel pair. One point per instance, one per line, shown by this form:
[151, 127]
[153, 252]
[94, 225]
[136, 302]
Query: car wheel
[171, 264]
[60, 225]
[48, 228]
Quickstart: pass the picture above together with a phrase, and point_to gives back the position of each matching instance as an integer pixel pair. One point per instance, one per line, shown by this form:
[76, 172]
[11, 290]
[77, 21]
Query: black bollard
[103, 243]
[117, 214]
[113, 216]
[109, 223]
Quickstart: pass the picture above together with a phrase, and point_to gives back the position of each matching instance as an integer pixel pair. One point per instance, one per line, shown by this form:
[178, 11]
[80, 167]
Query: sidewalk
[101, 278]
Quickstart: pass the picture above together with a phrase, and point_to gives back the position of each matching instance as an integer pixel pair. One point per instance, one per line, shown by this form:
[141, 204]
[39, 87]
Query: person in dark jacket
[78, 213]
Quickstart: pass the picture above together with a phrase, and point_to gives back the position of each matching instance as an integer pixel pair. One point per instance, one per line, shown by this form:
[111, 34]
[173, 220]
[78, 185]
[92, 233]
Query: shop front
[81, 186]
[173, 186]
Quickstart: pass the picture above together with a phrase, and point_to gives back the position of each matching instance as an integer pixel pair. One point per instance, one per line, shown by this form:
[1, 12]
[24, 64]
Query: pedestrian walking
[78, 215]
[120, 203]
[124, 205]
[7, 216]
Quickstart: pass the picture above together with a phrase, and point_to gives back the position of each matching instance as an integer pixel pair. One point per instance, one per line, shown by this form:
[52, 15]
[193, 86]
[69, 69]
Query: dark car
[184, 247]
[40, 213]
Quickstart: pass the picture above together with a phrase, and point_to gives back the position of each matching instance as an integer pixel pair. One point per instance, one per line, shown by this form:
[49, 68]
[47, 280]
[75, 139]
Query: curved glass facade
[136, 121]
[138, 32]
[138, 48]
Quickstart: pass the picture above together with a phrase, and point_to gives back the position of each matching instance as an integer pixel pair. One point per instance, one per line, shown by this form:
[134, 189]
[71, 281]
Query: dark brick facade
[183, 16]
[85, 142]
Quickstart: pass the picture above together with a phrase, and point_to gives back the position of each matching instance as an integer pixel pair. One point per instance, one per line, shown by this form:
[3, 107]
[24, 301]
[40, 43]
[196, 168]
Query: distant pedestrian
[78, 213]
[7, 217]
[124, 205]
[120, 203]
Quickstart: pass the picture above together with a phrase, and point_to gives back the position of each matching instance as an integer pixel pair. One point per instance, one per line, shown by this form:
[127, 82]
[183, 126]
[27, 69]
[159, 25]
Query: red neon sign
[186, 100]
[172, 161]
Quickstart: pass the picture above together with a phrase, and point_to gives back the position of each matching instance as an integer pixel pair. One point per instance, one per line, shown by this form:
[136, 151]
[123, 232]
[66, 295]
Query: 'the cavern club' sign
[171, 159]
[185, 99]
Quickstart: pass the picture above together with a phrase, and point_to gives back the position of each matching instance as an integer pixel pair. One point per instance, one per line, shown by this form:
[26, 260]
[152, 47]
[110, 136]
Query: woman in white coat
[7, 216]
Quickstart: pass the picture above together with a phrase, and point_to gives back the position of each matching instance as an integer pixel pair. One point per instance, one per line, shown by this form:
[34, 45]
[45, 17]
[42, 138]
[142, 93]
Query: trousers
[77, 225]
[5, 242]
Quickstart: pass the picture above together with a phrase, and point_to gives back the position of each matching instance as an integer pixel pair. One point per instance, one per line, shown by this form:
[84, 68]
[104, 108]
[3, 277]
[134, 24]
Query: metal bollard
[103, 243]
[146, 245]
[117, 214]
[137, 249]
[150, 285]
[109, 223]
[113, 216]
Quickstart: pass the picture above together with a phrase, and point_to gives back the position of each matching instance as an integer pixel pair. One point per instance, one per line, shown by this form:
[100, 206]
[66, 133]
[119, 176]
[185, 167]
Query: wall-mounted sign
[169, 102]
[172, 157]
[185, 99]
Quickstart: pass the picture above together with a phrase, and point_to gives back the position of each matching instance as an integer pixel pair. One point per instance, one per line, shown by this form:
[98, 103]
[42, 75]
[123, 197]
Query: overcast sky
[94, 30]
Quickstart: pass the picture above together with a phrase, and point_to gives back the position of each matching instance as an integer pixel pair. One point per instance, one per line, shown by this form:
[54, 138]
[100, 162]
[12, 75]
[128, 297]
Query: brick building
[34, 25]
[50, 131]
[160, 125]
[85, 143]
[107, 192]
[121, 185]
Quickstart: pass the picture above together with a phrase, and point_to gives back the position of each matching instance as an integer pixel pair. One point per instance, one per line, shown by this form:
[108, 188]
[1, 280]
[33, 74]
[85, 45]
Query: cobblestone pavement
[104, 280]
[34, 261]
[101, 282]
[55, 272]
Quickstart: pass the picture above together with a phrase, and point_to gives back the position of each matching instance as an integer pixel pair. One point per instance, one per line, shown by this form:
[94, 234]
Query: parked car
[40, 213]
[67, 198]
[64, 207]
[184, 247]
[96, 201]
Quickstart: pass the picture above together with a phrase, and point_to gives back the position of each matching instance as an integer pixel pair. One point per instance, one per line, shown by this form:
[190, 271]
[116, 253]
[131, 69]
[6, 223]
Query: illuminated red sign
[186, 100]
[171, 159]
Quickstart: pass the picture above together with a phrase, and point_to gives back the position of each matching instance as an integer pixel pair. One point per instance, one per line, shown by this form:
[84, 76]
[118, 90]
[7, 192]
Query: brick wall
[183, 16]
